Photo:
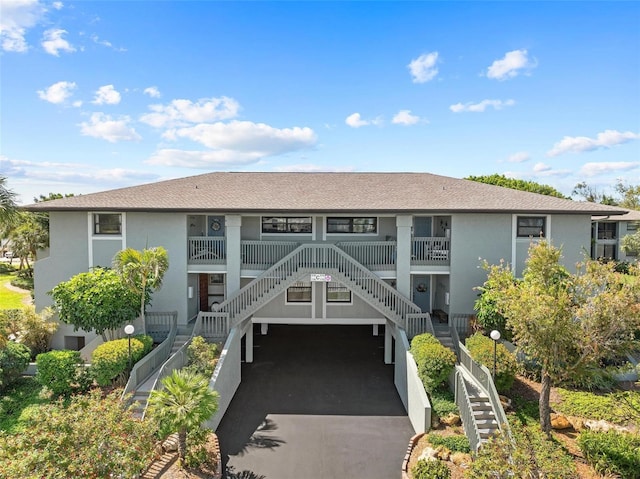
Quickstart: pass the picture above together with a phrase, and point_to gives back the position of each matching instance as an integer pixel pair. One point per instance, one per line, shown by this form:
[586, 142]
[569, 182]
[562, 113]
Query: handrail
[455, 339]
[418, 323]
[319, 258]
[430, 250]
[148, 364]
[484, 378]
[466, 411]
[373, 254]
[176, 361]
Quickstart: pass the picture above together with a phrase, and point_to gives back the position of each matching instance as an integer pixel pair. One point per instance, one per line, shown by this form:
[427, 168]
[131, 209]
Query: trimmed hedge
[481, 349]
[612, 452]
[110, 360]
[14, 359]
[63, 372]
[435, 361]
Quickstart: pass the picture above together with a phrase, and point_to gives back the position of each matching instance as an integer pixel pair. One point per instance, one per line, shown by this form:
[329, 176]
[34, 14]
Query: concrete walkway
[318, 402]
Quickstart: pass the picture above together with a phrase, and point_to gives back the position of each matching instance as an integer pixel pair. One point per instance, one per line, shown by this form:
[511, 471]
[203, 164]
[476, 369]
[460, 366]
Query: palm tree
[8, 205]
[142, 271]
[184, 403]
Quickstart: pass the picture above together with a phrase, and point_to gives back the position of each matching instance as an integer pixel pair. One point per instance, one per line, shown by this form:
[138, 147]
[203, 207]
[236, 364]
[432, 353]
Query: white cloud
[595, 169]
[423, 68]
[183, 112]
[355, 121]
[519, 157]
[106, 95]
[605, 139]
[541, 168]
[57, 5]
[106, 128]
[17, 17]
[404, 117]
[482, 106]
[203, 159]
[152, 91]
[246, 136]
[53, 42]
[511, 65]
[58, 92]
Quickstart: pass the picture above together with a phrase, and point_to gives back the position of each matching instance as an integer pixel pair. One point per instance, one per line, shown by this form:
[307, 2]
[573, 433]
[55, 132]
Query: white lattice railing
[433, 250]
[206, 250]
[379, 255]
[264, 254]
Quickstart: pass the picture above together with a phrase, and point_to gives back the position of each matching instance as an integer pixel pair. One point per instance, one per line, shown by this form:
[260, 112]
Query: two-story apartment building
[310, 248]
[607, 233]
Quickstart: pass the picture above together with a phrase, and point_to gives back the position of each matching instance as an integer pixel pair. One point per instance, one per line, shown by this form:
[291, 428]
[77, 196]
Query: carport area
[318, 402]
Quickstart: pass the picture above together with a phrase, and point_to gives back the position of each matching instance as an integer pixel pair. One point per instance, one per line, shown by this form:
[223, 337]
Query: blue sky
[97, 95]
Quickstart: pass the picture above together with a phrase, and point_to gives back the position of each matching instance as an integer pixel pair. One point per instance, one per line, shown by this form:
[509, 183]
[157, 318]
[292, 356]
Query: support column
[248, 342]
[388, 343]
[234, 259]
[404, 226]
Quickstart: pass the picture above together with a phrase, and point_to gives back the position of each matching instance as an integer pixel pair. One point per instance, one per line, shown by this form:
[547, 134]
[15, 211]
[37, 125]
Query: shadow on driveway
[317, 402]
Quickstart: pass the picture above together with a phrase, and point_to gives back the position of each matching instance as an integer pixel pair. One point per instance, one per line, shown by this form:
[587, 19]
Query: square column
[234, 257]
[404, 228]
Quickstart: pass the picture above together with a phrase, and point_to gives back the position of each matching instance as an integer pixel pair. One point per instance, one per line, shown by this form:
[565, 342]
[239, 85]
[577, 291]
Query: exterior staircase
[478, 412]
[140, 396]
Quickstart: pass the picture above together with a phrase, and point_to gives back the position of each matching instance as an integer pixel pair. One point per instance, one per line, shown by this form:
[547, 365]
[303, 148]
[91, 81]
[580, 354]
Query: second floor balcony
[375, 255]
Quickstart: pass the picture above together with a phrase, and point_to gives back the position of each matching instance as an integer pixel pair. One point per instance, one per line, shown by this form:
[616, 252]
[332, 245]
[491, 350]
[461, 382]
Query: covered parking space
[317, 402]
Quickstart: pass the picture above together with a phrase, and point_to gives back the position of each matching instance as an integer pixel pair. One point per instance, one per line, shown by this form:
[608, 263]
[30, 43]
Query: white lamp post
[495, 335]
[129, 329]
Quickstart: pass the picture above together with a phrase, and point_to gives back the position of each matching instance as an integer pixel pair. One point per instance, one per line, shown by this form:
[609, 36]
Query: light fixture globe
[129, 329]
[495, 334]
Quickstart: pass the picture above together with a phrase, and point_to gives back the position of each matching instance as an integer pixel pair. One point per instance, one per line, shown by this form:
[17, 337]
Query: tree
[28, 236]
[8, 207]
[567, 322]
[630, 195]
[142, 271]
[184, 403]
[516, 184]
[32, 329]
[96, 300]
[592, 195]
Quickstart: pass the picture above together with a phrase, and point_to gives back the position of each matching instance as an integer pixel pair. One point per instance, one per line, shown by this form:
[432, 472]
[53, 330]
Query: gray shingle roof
[322, 192]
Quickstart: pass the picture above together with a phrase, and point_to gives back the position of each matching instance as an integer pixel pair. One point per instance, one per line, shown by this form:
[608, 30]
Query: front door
[422, 226]
[422, 292]
[203, 280]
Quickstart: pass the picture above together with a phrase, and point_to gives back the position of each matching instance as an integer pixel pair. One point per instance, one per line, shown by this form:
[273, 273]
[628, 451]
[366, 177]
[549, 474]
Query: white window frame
[334, 302]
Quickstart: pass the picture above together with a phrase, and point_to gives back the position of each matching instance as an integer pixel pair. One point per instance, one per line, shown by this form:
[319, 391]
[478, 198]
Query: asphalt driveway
[318, 402]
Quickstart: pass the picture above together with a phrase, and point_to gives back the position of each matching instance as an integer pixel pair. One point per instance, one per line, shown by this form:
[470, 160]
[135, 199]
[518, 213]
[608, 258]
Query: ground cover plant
[87, 435]
[19, 402]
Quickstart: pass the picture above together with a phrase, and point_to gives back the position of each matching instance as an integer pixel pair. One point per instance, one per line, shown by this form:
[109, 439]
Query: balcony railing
[375, 255]
[205, 250]
[264, 254]
[430, 251]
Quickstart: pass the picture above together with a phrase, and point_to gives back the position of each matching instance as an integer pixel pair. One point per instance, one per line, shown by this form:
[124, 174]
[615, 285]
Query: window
[337, 293]
[632, 226]
[360, 225]
[299, 292]
[606, 251]
[607, 231]
[272, 224]
[107, 224]
[531, 226]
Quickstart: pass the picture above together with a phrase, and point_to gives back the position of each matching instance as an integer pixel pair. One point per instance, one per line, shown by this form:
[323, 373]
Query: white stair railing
[318, 258]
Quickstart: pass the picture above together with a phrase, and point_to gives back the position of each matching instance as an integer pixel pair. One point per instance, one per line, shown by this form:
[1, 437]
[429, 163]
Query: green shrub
[457, 443]
[86, 436]
[110, 360]
[481, 349]
[14, 359]
[443, 402]
[202, 356]
[62, 372]
[34, 330]
[433, 469]
[435, 361]
[618, 408]
[612, 452]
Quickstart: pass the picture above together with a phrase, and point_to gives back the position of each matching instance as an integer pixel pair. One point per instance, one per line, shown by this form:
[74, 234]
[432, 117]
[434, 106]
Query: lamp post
[129, 329]
[495, 335]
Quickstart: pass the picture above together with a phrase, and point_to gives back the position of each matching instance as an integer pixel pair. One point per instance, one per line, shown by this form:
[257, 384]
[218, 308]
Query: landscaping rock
[604, 426]
[560, 422]
[429, 454]
[451, 420]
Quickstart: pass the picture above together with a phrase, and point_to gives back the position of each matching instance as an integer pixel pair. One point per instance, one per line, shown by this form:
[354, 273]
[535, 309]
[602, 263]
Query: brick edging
[405, 463]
